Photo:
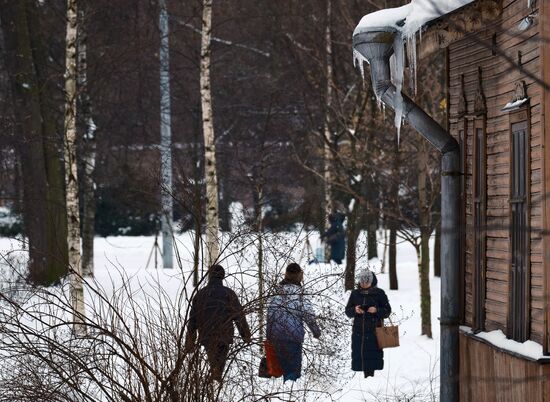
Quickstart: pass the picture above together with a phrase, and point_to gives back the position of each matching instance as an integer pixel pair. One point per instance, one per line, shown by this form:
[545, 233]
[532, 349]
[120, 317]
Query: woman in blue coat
[287, 312]
[368, 305]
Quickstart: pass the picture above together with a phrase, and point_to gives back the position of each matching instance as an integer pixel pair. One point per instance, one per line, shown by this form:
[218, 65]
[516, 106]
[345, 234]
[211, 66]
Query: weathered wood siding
[545, 124]
[488, 374]
[499, 75]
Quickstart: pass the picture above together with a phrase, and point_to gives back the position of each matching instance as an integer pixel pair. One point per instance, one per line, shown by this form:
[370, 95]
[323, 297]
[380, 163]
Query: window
[462, 126]
[518, 328]
[480, 205]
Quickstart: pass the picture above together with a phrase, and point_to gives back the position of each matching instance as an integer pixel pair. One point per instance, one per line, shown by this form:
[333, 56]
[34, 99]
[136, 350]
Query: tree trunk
[258, 218]
[392, 216]
[327, 152]
[353, 234]
[384, 252]
[372, 219]
[372, 244]
[212, 224]
[57, 251]
[197, 210]
[392, 257]
[165, 139]
[425, 296]
[71, 175]
[89, 154]
[424, 249]
[44, 216]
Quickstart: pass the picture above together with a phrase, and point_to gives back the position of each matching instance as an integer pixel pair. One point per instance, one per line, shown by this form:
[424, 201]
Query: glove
[189, 346]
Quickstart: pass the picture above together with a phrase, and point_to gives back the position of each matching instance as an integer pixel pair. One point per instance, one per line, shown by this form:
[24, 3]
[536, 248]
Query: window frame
[520, 331]
[479, 218]
[462, 134]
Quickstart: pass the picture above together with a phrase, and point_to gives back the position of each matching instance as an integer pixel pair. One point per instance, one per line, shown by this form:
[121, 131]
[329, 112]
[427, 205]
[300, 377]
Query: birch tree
[327, 151]
[89, 152]
[71, 175]
[166, 139]
[212, 224]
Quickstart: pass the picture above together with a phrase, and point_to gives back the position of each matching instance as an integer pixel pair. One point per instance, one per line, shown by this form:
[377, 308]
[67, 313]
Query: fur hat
[365, 276]
[294, 273]
[216, 271]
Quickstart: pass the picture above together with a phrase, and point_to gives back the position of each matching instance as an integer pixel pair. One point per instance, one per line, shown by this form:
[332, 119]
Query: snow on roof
[409, 18]
[514, 104]
[497, 338]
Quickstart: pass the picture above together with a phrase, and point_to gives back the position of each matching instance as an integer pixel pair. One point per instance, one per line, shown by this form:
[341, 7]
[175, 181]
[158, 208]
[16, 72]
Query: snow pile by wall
[497, 338]
[409, 18]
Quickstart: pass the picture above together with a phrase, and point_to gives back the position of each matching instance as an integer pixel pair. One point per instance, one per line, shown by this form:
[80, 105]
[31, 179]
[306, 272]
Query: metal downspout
[377, 46]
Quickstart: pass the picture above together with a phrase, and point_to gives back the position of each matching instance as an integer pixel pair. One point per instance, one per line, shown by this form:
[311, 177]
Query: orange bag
[273, 367]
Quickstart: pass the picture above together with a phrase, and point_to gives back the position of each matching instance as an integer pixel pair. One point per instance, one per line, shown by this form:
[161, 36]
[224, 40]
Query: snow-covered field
[411, 372]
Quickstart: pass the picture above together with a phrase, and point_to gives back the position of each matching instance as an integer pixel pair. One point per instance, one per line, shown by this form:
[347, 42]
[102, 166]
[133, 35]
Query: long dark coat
[365, 354]
[214, 310]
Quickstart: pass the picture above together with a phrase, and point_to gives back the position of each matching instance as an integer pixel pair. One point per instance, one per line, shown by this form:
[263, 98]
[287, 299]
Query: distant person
[335, 236]
[368, 305]
[213, 311]
[286, 313]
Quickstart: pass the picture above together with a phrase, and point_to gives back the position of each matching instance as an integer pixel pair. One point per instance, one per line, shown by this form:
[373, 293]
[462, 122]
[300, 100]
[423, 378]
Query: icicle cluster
[359, 61]
[397, 68]
[411, 56]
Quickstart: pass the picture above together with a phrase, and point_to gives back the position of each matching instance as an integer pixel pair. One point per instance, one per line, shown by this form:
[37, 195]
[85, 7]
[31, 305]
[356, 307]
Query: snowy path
[411, 371]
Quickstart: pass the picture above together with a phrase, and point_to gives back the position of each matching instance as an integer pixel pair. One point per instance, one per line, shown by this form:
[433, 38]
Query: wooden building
[498, 68]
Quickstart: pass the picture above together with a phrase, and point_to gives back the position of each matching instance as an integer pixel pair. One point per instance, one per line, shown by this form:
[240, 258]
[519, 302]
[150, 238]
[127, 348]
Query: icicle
[411, 55]
[397, 68]
[358, 61]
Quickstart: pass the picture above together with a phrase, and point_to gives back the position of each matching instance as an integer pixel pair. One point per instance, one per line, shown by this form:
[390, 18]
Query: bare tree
[327, 136]
[38, 142]
[212, 224]
[88, 150]
[166, 139]
[71, 174]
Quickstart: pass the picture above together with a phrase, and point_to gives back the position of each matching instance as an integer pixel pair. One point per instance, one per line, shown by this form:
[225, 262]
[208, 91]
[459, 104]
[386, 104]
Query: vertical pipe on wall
[376, 47]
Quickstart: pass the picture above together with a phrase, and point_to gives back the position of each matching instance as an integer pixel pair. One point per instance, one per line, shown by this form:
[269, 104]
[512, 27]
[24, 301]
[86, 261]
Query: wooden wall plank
[499, 81]
[545, 145]
[488, 374]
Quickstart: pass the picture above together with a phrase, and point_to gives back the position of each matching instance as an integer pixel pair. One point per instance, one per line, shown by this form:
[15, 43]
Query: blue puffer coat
[365, 354]
[286, 313]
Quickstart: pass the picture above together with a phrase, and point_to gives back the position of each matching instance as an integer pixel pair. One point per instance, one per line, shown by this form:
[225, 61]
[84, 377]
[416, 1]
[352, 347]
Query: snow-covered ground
[411, 371]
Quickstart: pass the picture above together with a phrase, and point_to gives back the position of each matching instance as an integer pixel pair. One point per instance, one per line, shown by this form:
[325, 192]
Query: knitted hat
[294, 273]
[365, 276]
[216, 271]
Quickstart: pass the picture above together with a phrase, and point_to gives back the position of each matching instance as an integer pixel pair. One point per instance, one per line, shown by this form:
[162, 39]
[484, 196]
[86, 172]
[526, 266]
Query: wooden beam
[544, 47]
[455, 26]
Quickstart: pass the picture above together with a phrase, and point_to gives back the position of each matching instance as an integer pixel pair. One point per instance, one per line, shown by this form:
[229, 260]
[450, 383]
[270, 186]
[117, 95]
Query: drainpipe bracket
[452, 173]
[449, 322]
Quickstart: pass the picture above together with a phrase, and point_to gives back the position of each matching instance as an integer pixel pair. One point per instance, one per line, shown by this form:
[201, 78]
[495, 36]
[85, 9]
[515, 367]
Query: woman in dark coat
[368, 306]
[336, 237]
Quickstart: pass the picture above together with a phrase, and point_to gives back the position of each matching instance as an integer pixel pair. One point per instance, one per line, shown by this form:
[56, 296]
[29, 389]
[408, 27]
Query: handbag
[387, 336]
[273, 367]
